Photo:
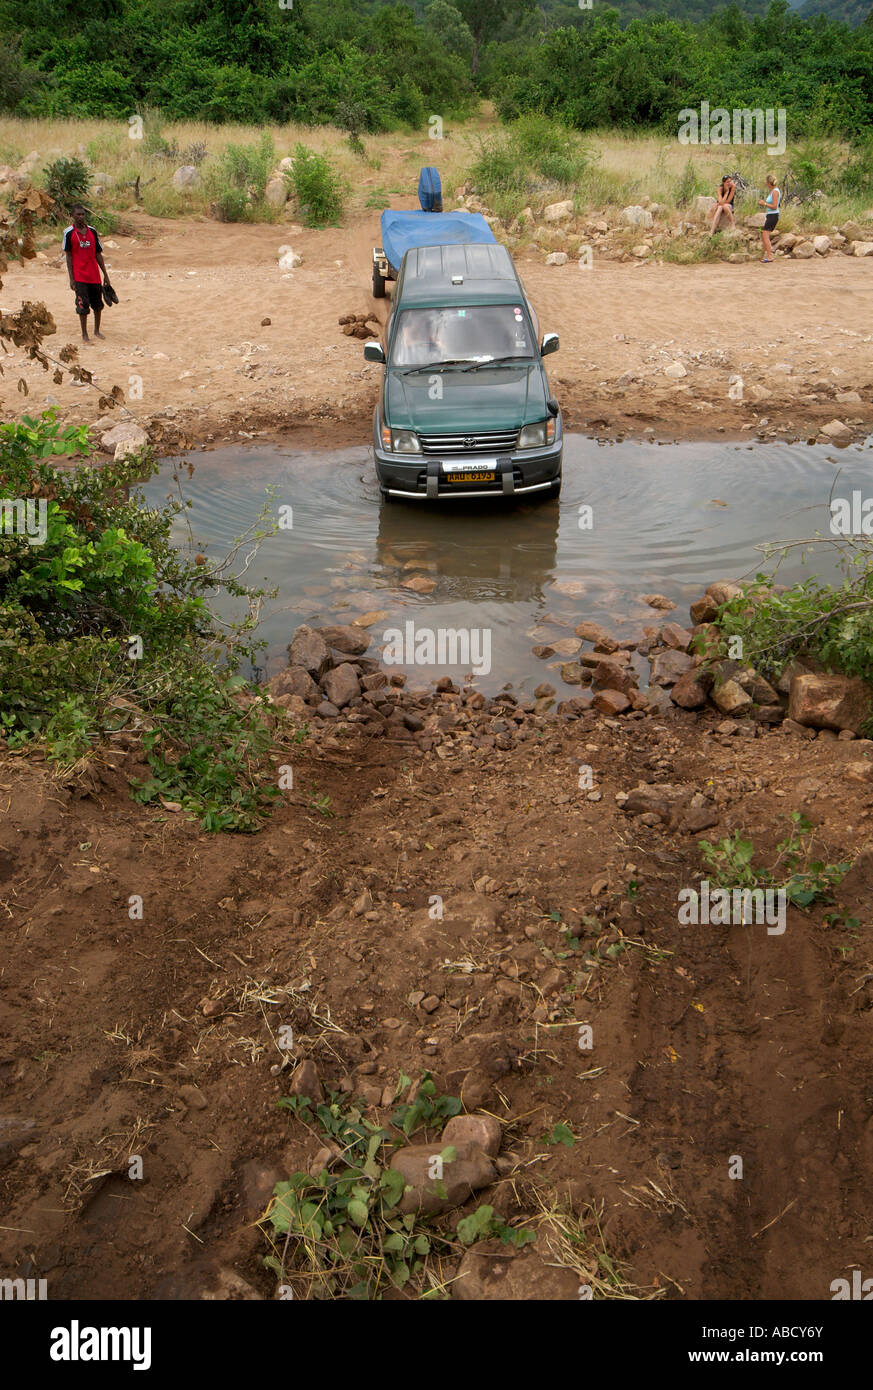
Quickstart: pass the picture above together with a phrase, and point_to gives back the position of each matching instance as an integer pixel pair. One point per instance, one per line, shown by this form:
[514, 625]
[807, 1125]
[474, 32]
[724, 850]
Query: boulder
[835, 429]
[672, 635]
[821, 245]
[731, 698]
[690, 691]
[862, 248]
[305, 1082]
[491, 1271]
[804, 251]
[675, 371]
[609, 675]
[276, 193]
[611, 702]
[341, 685]
[126, 433]
[484, 1130]
[636, 216]
[788, 239]
[851, 231]
[669, 665]
[295, 681]
[722, 591]
[309, 650]
[186, 176]
[557, 258]
[703, 610]
[660, 799]
[756, 221]
[593, 632]
[290, 260]
[353, 641]
[558, 212]
[830, 702]
[461, 1177]
[286, 164]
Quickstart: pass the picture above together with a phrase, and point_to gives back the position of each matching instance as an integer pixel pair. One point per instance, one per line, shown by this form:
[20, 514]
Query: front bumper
[422, 477]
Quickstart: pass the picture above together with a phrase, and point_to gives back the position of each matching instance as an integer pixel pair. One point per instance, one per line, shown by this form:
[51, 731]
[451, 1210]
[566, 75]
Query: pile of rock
[360, 326]
[330, 682]
[804, 698]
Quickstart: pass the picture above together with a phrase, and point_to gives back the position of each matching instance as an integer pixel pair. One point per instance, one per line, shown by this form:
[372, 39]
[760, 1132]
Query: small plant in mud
[340, 1233]
[428, 1108]
[803, 880]
[560, 1134]
[484, 1224]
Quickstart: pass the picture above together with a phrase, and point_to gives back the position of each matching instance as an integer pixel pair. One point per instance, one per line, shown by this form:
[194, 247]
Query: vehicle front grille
[501, 442]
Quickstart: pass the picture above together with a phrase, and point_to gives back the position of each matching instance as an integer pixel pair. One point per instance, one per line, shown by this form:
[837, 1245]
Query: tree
[446, 23]
[485, 17]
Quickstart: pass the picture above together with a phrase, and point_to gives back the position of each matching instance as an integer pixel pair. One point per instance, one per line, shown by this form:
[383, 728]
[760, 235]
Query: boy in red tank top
[84, 252]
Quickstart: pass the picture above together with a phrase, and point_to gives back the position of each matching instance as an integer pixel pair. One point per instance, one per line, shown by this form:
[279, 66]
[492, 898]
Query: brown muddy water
[664, 519]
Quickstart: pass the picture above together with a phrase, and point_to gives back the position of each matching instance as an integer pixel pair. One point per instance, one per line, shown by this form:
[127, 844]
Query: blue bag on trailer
[430, 190]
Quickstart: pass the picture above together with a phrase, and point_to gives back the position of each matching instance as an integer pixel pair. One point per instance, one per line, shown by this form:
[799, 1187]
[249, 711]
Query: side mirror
[551, 342]
[374, 352]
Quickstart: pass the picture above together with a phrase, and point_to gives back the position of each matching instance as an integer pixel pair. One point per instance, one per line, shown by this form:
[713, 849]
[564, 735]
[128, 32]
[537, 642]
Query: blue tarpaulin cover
[403, 230]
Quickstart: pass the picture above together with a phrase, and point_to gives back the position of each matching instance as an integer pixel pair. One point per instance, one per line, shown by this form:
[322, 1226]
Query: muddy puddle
[633, 519]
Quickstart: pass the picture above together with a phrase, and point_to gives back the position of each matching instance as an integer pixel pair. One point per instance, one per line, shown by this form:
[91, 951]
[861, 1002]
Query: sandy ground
[187, 344]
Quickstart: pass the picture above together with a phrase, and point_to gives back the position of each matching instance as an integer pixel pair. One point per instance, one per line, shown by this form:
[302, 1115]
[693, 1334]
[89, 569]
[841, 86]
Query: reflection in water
[666, 519]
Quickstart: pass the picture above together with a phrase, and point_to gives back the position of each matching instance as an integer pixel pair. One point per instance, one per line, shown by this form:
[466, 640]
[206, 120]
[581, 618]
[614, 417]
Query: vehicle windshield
[475, 333]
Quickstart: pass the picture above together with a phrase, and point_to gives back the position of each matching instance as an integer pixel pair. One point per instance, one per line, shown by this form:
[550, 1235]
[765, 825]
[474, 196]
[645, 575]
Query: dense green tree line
[371, 66]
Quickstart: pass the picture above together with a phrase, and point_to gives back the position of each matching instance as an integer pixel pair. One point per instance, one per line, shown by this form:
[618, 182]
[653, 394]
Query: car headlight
[538, 435]
[405, 442]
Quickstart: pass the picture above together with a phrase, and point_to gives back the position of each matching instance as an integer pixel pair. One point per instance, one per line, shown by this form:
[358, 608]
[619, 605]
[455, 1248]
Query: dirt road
[156, 1037]
[188, 346]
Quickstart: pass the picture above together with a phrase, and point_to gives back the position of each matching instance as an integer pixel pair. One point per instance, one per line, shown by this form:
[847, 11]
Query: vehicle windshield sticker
[462, 313]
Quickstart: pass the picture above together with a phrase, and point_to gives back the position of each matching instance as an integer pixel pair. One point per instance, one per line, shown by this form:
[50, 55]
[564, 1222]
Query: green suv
[465, 408]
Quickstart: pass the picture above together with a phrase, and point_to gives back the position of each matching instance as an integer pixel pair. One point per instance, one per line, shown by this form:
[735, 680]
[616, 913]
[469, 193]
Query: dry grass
[624, 168]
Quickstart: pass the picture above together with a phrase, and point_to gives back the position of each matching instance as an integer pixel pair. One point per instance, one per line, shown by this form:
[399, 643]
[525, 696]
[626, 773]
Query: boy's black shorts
[88, 297]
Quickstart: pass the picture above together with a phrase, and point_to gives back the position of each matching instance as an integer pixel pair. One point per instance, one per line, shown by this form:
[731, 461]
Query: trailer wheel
[378, 284]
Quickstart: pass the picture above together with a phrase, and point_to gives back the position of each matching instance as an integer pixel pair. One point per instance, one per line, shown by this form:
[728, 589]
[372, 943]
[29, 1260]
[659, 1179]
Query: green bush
[531, 155]
[237, 180]
[68, 182]
[319, 188]
[103, 624]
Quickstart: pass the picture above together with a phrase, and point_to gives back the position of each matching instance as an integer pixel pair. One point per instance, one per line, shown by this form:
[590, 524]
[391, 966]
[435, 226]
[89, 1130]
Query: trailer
[402, 231]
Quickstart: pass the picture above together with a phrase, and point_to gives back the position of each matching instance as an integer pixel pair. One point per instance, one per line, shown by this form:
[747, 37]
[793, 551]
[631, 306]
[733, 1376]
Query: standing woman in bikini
[772, 203]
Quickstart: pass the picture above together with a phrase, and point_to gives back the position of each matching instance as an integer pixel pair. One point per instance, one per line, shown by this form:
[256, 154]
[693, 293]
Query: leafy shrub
[71, 609]
[532, 154]
[238, 179]
[319, 188]
[68, 182]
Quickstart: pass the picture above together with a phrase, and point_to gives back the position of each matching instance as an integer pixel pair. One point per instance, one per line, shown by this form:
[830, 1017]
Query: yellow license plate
[471, 477]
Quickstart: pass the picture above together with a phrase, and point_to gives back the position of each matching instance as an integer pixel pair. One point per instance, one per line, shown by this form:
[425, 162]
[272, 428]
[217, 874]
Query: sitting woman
[727, 191]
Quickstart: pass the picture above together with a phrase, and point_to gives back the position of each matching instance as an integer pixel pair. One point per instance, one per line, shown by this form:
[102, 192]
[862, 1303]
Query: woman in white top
[772, 203]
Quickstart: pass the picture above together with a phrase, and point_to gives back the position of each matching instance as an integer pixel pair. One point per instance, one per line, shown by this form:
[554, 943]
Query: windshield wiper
[493, 361]
[436, 366]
